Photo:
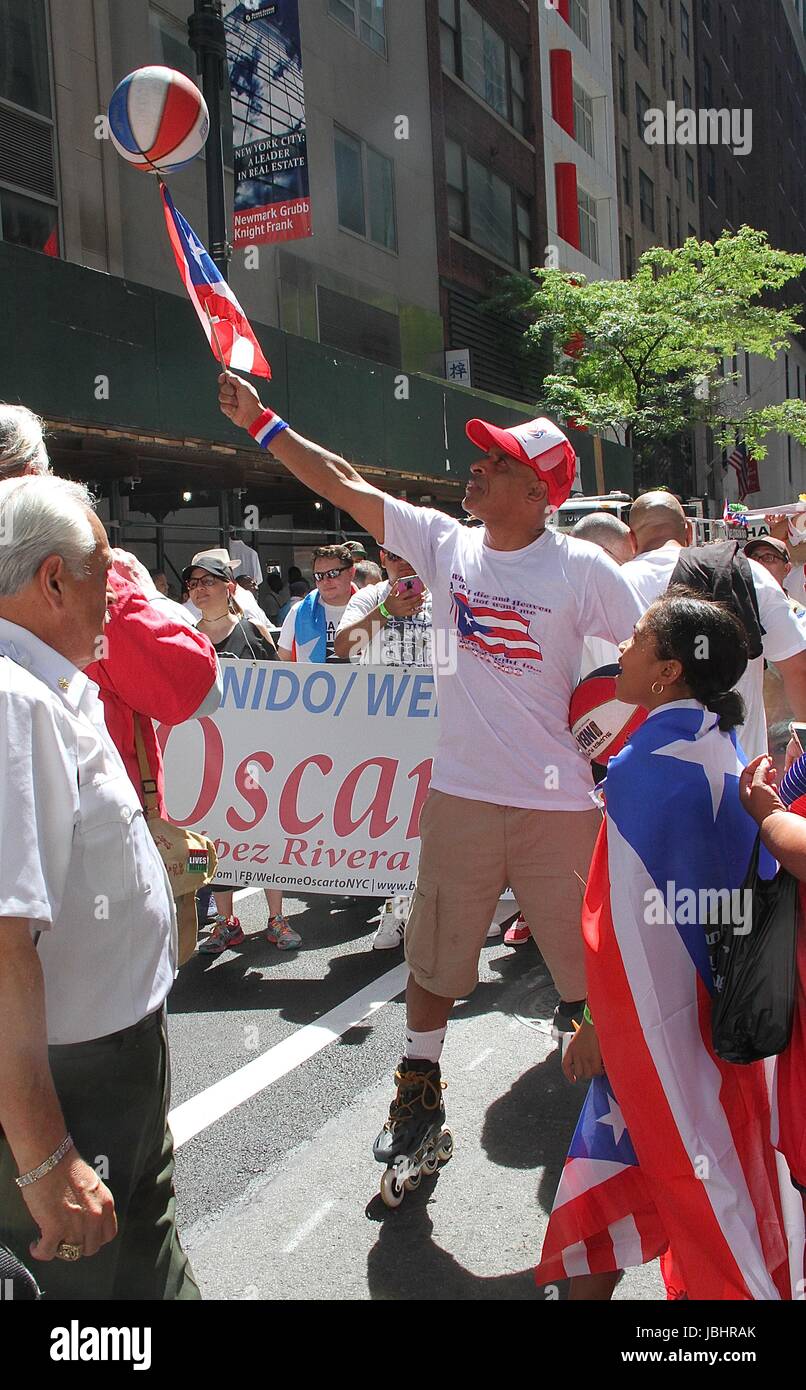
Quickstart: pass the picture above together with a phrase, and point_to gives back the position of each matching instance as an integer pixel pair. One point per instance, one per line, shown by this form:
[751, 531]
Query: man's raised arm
[324, 473]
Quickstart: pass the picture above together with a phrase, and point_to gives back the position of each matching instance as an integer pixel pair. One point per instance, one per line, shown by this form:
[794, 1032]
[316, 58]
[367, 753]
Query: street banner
[309, 778]
[270, 154]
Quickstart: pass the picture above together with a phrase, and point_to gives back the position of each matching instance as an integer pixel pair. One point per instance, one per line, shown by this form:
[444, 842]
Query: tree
[648, 352]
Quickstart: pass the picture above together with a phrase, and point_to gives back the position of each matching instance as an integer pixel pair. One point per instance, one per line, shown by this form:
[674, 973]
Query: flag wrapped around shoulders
[209, 291]
[310, 630]
[699, 1129]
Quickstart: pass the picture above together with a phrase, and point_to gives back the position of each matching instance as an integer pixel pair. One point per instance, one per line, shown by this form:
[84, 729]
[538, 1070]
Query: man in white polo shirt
[510, 795]
[87, 934]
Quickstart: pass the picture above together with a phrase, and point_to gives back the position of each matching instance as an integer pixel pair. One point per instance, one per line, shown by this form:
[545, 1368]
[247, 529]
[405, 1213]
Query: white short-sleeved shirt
[517, 620]
[401, 641]
[248, 558]
[783, 632]
[76, 856]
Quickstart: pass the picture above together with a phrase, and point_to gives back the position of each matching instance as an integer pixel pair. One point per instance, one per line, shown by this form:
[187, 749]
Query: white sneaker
[392, 924]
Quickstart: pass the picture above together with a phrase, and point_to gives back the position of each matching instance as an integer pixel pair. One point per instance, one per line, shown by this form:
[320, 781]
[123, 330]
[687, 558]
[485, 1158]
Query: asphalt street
[276, 1185]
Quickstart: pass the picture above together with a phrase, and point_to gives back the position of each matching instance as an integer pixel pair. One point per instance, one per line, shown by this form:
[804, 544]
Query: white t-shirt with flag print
[516, 622]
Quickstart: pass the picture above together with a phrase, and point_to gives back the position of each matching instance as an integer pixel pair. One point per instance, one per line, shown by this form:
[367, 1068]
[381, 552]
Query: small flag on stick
[228, 330]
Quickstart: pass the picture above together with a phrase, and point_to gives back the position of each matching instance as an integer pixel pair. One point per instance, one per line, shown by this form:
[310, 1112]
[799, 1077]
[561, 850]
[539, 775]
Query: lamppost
[208, 39]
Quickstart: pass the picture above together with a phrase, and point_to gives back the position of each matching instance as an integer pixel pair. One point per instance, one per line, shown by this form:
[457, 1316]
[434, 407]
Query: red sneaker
[518, 932]
[226, 933]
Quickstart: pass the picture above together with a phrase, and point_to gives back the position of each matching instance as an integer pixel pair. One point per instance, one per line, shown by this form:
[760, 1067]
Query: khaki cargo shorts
[470, 851]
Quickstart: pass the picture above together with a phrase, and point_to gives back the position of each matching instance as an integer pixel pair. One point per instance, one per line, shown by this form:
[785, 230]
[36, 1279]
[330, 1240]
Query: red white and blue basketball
[600, 723]
[158, 119]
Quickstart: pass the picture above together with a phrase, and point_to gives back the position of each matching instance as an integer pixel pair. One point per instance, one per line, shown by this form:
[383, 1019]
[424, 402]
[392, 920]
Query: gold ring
[66, 1251]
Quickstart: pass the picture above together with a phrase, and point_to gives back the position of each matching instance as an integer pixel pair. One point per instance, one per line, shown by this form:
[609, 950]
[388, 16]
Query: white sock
[426, 1047]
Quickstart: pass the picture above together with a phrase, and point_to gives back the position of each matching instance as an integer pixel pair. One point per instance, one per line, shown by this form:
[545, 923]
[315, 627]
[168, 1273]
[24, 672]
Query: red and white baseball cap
[539, 444]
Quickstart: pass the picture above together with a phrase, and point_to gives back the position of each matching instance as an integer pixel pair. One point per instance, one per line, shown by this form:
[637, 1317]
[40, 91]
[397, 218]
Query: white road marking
[194, 1115]
[482, 1057]
[306, 1229]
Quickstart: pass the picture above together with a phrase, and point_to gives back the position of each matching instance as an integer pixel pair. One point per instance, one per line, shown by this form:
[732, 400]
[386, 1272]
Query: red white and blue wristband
[266, 426]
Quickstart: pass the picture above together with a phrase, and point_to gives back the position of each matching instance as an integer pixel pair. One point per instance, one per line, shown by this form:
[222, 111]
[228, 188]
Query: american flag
[696, 1129]
[497, 631]
[746, 471]
[208, 290]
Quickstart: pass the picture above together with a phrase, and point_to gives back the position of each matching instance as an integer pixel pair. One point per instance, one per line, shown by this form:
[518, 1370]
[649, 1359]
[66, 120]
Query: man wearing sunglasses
[309, 630]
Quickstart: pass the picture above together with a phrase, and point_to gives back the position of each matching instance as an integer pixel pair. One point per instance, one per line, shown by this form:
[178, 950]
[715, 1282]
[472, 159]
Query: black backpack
[722, 572]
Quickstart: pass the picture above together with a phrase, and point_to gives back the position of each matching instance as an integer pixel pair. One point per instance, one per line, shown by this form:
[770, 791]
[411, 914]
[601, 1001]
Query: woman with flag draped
[672, 1149]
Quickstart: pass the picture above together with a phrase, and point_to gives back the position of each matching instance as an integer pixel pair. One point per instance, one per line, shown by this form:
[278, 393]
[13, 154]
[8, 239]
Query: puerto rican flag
[698, 1130]
[208, 290]
[603, 1217]
[496, 631]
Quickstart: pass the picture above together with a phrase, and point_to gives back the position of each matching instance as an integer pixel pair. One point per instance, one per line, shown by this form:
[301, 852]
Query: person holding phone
[388, 624]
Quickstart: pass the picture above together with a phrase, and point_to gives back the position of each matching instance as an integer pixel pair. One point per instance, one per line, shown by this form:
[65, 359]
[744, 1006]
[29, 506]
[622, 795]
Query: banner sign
[270, 153]
[309, 778]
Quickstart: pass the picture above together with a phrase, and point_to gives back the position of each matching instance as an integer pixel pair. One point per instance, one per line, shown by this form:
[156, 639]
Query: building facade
[579, 138]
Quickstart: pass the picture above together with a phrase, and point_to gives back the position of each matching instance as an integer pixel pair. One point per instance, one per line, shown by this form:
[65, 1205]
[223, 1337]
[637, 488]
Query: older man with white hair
[87, 934]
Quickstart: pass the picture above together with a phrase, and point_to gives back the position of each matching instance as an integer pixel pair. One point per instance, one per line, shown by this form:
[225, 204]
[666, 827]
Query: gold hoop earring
[660, 688]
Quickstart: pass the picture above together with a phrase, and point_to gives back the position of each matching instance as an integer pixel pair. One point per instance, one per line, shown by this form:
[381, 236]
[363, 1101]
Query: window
[588, 227]
[690, 178]
[473, 50]
[517, 83]
[669, 226]
[737, 62]
[366, 18]
[28, 222]
[629, 260]
[29, 208]
[646, 198]
[677, 227]
[640, 31]
[710, 174]
[620, 11]
[484, 59]
[705, 10]
[675, 164]
[641, 108]
[583, 119]
[24, 73]
[490, 211]
[663, 63]
[672, 74]
[455, 175]
[685, 30]
[723, 30]
[579, 19]
[622, 85]
[625, 176]
[687, 95]
[448, 35]
[707, 82]
[486, 210]
[365, 191]
[523, 219]
[728, 196]
[353, 326]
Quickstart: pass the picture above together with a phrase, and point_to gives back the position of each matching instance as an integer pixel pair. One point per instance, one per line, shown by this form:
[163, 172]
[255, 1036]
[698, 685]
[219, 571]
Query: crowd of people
[704, 1155]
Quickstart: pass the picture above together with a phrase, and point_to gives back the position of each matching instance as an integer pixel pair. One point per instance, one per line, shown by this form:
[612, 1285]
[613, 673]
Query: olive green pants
[114, 1092]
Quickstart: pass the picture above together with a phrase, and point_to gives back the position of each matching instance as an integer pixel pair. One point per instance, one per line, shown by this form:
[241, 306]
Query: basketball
[600, 723]
[158, 119]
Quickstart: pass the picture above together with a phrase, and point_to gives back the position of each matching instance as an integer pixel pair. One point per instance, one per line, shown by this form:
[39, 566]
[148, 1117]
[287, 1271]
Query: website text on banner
[270, 151]
[309, 777]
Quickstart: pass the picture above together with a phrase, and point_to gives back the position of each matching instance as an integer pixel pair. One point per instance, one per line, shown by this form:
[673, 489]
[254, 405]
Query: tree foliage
[650, 350]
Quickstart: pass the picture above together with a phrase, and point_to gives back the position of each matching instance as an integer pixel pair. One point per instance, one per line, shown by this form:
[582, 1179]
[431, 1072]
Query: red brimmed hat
[539, 444]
